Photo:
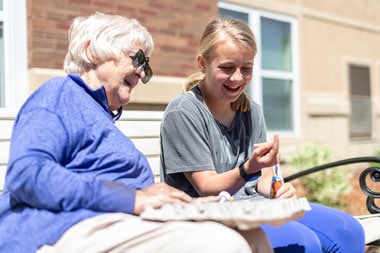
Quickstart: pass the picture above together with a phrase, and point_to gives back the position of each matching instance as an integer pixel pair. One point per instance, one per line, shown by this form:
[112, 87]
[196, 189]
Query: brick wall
[175, 26]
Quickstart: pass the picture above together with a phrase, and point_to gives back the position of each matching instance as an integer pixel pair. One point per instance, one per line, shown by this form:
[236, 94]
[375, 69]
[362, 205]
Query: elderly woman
[74, 182]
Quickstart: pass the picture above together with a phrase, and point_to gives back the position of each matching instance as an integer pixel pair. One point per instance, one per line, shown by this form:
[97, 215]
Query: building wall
[174, 25]
[335, 34]
[332, 34]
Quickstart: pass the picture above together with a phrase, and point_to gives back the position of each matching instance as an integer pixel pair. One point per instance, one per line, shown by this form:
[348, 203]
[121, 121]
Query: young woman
[213, 139]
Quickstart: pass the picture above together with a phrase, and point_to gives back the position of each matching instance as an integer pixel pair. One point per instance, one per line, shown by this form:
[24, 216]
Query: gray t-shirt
[193, 140]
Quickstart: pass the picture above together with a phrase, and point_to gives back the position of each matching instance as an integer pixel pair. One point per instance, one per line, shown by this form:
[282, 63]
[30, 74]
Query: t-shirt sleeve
[184, 143]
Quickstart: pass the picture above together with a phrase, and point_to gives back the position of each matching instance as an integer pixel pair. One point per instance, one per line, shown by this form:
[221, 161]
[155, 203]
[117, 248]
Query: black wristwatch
[244, 174]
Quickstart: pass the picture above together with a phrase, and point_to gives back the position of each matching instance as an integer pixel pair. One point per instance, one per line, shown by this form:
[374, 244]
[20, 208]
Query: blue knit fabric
[68, 162]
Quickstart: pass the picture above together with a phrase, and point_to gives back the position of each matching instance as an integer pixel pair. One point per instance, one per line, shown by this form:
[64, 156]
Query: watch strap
[245, 175]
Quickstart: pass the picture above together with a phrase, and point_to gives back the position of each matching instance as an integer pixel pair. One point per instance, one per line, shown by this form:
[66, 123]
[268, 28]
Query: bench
[143, 128]
[370, 223]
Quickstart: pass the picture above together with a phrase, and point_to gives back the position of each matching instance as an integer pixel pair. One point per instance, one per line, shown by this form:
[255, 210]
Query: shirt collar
[99, 95]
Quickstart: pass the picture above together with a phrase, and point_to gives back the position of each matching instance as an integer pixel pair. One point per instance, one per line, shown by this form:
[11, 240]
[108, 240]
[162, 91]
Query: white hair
[107, 35]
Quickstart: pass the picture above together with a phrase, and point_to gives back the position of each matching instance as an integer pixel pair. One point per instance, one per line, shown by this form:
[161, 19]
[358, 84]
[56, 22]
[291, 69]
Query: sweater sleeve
[37, 177]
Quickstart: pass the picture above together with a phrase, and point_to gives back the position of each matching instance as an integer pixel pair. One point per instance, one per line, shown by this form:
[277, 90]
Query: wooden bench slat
[371, 225]
[141, 115]
[148, 146]
[142, 127]
[154, 163]
[4, 151]
[138, 129]
[6, 129]
[2, 176]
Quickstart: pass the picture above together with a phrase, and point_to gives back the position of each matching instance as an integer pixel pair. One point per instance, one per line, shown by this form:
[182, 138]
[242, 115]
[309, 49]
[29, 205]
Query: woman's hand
[158, 194]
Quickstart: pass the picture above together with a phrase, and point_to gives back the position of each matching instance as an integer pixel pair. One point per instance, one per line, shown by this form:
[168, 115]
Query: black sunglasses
[138, 60]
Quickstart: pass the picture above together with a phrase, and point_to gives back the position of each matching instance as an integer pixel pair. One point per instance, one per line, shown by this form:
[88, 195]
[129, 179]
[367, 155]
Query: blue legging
[322, 229]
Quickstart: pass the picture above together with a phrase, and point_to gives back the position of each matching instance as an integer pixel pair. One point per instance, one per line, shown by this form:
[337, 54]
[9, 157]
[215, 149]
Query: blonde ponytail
[193, 81]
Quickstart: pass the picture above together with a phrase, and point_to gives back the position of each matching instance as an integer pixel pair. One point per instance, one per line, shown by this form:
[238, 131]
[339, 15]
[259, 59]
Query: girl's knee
[293, 237]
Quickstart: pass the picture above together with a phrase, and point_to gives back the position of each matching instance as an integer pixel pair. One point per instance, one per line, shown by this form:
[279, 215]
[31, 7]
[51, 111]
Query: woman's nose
[140, 71]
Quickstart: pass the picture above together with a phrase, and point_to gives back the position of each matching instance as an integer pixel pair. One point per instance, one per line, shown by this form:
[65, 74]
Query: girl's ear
[201, 63]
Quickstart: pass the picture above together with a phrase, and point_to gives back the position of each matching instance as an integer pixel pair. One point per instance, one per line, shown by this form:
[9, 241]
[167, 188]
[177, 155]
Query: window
[2, 89]
[360, 98]
[275, 78]
[13, 53]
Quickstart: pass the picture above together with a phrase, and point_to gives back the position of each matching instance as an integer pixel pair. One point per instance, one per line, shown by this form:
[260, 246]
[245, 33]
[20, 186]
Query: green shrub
[327, 186]
[376, 153]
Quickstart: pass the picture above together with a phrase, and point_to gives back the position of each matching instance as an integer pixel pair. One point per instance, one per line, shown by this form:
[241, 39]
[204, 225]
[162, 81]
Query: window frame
[2, 89]
[354, 135]
[15, 53]
[256, 91]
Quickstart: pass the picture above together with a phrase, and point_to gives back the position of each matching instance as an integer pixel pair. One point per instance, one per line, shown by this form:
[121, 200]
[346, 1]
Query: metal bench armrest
[373, 173]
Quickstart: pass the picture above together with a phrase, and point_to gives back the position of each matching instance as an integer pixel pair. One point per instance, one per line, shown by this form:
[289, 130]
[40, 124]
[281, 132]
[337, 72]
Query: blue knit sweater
[68, 162]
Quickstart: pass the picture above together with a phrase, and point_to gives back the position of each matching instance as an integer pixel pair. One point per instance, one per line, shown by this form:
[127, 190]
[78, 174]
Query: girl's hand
[287, 190]
[264, 155]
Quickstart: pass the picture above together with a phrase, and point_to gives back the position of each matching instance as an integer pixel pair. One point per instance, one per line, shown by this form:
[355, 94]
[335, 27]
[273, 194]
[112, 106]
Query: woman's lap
[117, 232]
[292, 237]
[336, 230]
[322, 229]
